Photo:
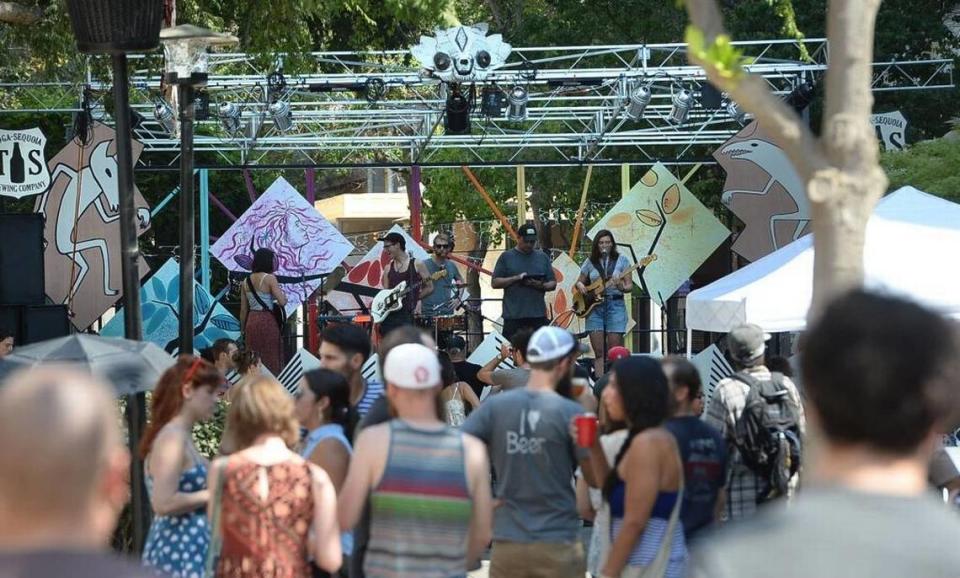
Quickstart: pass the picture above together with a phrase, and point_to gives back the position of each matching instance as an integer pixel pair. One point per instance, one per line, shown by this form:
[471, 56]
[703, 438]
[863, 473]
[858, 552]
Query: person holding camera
[525, 274]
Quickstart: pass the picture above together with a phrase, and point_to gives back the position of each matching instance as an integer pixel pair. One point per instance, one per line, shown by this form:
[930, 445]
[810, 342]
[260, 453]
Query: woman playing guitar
[608, 319]
[403, 267]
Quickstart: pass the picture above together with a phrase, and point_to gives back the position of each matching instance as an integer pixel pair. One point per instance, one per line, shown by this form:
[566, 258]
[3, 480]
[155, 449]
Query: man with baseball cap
[746, 346]
[525, 274]
[536, 526]
[429, 484]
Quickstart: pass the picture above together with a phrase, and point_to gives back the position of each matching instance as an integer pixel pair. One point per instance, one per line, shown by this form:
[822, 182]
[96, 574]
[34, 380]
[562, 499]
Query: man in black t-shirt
[456, 348]
[701, 446]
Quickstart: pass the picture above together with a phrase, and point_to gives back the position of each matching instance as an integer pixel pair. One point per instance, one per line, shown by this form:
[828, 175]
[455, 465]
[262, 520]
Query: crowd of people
[417, 477]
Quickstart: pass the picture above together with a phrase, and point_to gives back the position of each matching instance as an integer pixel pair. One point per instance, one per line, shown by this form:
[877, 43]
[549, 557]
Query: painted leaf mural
[659, 216]
[160, 301]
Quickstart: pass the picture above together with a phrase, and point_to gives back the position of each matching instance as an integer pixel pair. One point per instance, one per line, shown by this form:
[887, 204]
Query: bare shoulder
[319, 476]
[373, 435]
[655, 438]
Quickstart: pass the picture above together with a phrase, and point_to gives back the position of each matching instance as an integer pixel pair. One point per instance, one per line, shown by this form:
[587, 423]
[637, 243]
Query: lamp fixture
[229, 114]
[517, 104]
[638, 102]
[682, 103]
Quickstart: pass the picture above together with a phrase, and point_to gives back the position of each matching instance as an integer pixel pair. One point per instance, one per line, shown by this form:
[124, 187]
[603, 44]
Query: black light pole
[185, 52]
[117, 27]
[185, 89]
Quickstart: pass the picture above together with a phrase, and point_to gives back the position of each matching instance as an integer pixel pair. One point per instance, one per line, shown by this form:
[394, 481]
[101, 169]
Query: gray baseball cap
[746, 343]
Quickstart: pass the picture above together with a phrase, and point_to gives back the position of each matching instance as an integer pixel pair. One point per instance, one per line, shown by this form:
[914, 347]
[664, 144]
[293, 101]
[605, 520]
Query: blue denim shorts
[616, 314]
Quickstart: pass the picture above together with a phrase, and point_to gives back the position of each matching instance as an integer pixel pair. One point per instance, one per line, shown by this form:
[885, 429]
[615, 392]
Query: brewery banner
[23, 166]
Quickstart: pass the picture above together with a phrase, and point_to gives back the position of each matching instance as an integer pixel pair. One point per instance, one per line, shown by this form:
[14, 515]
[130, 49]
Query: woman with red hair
[176, 473]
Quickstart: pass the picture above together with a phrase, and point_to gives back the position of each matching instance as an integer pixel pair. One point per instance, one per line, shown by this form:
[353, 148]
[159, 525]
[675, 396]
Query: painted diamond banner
[660, 217]
[160, 303]
[82, 260]
[306, 245]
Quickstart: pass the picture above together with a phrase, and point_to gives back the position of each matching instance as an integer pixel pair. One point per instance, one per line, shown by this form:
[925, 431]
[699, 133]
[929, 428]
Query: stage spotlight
[163, 112]
[282, 117]
[457, 117]
[136, 120]
[734, 111]
[230, 117]
[517, 109]
[374, 90]
[682, 103]
[802, 96]
[638, 102]
[201, 106]
[492, 101]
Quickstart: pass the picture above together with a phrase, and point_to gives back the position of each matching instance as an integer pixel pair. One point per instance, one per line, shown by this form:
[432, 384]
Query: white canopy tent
[912, 246]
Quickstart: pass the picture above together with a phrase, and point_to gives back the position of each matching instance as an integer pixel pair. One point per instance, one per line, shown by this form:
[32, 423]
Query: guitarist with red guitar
[403, 268]
[608, 318]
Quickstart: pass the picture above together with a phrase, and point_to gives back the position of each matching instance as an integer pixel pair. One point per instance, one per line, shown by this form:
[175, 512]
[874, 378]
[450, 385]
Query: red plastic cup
[586, 429]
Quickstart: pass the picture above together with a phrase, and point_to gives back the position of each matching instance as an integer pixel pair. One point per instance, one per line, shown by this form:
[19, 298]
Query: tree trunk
[14, 13]
[841, 169]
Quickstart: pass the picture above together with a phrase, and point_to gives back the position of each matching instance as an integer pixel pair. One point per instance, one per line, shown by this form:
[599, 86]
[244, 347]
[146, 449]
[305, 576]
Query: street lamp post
[185, 53]
[116, 27]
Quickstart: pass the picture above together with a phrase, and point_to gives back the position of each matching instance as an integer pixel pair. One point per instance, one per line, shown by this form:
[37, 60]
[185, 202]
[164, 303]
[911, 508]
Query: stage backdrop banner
[160, 303]
[306, 245]
[362, 281]
[764, 191]
[82, 230]
[660, 217]
[23, 166]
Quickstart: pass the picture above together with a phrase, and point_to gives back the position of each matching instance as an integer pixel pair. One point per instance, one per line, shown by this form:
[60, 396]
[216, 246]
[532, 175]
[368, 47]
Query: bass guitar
[389, 300]
[584, 303]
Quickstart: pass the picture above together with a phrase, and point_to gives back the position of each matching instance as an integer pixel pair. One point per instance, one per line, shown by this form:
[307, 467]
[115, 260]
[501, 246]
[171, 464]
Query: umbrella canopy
[131, 366]
[911, 239]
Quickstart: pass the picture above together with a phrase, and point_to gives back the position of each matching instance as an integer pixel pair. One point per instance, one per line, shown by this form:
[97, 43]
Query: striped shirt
[420, 511]
[372, 391]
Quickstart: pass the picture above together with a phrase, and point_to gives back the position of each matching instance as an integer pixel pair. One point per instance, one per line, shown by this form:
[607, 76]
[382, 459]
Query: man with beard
[526, 430]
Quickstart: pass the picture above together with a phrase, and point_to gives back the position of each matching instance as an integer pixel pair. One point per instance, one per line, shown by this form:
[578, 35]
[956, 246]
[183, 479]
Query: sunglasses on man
[440, 246]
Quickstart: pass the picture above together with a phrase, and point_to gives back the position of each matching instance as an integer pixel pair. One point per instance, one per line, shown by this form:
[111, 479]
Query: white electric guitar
[389, 300]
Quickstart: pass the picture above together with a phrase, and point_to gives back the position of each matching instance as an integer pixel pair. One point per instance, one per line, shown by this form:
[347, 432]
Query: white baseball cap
[550, 343]
[412, 366]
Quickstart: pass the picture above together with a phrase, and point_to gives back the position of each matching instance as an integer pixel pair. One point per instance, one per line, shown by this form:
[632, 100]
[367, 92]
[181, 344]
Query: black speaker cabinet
[10, 321]
[21, 259]
[42, 322]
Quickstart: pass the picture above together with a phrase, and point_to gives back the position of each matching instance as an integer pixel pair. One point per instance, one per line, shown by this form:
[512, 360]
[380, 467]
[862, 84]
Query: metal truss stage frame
[380, 108]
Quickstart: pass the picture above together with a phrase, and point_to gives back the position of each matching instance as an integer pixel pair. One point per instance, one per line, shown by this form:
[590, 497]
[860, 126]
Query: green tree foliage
[930, 166]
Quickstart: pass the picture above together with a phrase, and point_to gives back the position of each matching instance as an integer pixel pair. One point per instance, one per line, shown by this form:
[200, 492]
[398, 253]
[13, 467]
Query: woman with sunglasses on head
[176, 473]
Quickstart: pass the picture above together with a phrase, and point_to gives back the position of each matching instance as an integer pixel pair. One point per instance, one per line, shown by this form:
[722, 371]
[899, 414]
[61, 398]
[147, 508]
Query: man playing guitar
[403, 267]
[608, 320]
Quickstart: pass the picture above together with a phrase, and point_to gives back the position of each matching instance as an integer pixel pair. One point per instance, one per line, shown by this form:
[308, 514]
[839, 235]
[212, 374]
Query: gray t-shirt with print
[520, 301]
[510, 377]
[528, 436]
[833, 533]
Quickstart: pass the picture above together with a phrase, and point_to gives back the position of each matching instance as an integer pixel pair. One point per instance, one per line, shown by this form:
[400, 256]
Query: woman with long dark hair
[323, 409]
[258, 294]
[644, 487]
[608, 320]
[176, 473]
[455, 393]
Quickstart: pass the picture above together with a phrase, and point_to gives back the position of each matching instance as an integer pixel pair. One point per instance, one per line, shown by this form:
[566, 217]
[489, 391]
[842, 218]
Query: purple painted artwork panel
[306, 245]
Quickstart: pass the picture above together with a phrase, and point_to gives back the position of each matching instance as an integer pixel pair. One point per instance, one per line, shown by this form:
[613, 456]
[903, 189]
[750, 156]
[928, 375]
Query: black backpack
[768, 434]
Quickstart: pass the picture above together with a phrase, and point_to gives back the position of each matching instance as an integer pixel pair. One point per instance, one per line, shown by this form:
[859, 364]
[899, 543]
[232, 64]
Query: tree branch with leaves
[841, 168]
[19, 14]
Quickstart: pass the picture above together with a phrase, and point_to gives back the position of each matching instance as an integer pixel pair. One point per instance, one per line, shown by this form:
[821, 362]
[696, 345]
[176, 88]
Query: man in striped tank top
[428, 484]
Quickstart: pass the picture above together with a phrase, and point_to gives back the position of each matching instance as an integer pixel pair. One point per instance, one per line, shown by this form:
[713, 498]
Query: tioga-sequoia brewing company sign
[23, 167]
